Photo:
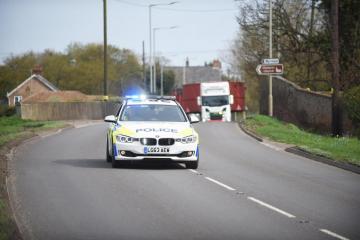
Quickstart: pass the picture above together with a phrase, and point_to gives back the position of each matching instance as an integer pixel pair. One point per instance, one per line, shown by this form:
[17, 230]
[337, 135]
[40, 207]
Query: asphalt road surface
[62, 188]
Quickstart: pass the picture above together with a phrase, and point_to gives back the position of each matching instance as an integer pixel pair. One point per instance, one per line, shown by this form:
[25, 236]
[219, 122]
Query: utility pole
[336, 109]
[105, 51]
[161, 79]
[310, 37]
[154, 57]
[144, 63]
[150, 50]
[270, 56]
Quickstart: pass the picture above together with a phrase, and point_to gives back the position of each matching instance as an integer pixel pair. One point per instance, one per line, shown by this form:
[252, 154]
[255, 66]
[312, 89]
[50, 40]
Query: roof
[38, 77]
[195, 74]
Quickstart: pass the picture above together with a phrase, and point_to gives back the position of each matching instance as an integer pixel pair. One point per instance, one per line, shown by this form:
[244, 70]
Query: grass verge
[13, 130]
[340, 149]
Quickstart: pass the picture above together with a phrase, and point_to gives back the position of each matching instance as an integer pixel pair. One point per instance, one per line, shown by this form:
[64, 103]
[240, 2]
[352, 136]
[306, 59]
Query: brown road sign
[267, 69]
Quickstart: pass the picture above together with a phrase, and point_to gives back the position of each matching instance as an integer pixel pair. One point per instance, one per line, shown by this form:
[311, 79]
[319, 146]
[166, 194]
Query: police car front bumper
[178, 152]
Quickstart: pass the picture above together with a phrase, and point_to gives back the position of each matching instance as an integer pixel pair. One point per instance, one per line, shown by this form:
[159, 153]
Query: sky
[205, 28]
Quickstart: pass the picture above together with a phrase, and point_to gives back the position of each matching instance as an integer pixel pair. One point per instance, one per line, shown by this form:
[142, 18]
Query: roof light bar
[143, 97]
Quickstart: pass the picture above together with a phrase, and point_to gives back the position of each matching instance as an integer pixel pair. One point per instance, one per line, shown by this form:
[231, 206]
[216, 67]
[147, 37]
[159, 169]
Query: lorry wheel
[192, 165]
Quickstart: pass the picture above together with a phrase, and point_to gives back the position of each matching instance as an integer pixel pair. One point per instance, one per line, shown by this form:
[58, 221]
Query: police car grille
[148, 141]
[166, 141]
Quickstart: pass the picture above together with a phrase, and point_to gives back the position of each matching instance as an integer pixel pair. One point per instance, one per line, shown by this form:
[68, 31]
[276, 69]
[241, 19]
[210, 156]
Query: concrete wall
[299, 106]
[68, 110]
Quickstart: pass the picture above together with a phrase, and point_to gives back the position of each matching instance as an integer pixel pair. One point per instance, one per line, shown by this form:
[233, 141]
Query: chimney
[37, 69]
[216, 64]
[187, 62]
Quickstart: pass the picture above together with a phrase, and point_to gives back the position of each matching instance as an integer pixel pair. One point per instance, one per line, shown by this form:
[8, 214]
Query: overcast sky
[205, 27]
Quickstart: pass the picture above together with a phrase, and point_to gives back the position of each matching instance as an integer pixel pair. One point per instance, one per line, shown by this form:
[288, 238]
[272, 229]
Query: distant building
[196, 74]
[33, 85]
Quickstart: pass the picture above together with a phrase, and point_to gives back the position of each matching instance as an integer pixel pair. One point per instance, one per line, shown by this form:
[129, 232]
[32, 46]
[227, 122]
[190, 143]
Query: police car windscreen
[152, 112]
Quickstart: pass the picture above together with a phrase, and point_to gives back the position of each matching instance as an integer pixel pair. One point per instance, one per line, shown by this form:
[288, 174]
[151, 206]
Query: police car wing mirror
[231, 99]
[193, 118]
[110, 118]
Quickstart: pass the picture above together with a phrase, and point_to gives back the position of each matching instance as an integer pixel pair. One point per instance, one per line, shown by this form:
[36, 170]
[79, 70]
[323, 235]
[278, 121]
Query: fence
[299, 106]
[68, 110]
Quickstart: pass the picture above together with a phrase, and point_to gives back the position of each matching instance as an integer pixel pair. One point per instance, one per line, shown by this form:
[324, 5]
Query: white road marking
[194, 171]
[221, 184]
[50, 134]
[271, 207]
[271, 146]
[333, 234]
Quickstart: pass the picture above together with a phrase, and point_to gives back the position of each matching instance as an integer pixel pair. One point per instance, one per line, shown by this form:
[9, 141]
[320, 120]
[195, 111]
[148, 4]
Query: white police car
[152, 127]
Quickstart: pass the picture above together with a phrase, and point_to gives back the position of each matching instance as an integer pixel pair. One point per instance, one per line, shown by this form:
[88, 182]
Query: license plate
[156, 150]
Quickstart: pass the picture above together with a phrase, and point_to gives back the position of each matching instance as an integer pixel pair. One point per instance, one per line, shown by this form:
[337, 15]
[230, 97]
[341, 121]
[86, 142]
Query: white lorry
[215, 100]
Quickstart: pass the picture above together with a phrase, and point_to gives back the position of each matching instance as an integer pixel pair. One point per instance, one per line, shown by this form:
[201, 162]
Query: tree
[78, 68]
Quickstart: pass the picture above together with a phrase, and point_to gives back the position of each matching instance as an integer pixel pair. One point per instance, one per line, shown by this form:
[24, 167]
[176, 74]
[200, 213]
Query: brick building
[33, 85]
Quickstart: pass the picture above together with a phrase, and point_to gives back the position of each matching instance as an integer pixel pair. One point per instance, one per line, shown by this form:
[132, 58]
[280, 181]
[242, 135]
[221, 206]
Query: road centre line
[220, 184]
[333, 234]
[271, 207]
[194, 171]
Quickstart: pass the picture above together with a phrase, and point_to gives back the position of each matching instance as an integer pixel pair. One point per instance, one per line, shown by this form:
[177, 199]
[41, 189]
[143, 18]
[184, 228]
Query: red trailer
[187, 96]
[237, 89]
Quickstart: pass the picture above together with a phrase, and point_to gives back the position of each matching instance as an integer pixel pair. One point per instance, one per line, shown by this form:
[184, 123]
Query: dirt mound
[59, 96]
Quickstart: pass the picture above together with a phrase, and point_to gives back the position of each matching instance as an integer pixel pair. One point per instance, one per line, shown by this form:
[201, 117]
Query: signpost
[270, 69]
[270, 61]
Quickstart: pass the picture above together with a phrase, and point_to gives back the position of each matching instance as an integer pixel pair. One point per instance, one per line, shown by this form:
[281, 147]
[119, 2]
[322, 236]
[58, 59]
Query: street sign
[270, 61]
[267, 69]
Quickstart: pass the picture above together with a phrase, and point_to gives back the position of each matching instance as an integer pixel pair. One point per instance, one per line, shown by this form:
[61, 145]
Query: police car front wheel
[192, 165]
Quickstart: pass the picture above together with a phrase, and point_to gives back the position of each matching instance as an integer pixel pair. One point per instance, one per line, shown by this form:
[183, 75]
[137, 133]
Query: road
[62, 188]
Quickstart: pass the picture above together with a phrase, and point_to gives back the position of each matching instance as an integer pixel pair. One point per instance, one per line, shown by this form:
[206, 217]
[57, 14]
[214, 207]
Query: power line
[178, 10]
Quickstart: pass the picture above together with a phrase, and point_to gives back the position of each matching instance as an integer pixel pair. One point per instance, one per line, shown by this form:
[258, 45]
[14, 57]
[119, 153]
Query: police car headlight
[187, 139]
[124, 139]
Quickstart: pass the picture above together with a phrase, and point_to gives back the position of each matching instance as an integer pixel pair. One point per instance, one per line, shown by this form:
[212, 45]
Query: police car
[154, 128]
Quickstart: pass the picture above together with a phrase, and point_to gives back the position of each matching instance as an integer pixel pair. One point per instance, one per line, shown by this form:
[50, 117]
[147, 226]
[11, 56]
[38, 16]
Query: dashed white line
[220, 184]
[194, 171]
[271, 207]
[333, 234]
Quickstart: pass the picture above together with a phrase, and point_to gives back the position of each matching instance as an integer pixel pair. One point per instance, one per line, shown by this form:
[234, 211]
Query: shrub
[7, 111]
[352, 106]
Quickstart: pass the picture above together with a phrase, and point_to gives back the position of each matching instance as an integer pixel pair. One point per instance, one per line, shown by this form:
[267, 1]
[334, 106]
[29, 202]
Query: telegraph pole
[105, 51]
[144, 63]
[336, 110]
[270, 55]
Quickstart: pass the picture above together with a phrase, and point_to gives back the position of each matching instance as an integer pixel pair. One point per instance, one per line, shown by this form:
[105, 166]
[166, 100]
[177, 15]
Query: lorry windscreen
[213, 101]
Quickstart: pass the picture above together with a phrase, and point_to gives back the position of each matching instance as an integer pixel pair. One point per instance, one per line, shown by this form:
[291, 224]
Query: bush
[352, 103]
[352, 106]
[7, 111]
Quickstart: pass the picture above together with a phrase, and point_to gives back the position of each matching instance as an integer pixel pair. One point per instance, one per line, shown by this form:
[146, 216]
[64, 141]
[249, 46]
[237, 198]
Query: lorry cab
[215, 101]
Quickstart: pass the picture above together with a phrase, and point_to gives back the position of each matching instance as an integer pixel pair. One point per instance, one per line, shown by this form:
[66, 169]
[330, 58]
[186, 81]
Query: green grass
[340, 149]
[13, 128]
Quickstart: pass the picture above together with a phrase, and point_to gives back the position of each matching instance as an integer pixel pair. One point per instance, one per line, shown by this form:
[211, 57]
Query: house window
[17, 99]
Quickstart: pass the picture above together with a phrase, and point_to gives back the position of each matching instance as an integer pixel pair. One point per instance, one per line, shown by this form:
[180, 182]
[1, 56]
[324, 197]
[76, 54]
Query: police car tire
[108, 157]
[192, 165]
[114, 163]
